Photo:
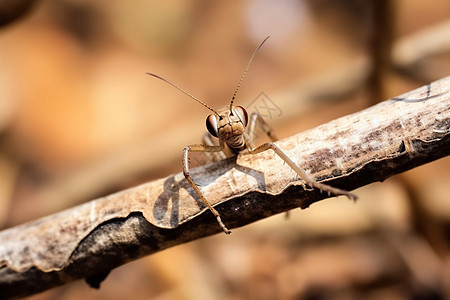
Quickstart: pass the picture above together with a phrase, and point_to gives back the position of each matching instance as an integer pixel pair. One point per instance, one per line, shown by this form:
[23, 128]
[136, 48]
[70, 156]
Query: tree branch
[89, 240]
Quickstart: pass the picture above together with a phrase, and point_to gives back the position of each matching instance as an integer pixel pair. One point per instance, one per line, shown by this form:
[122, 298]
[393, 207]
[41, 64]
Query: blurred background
[80, 119]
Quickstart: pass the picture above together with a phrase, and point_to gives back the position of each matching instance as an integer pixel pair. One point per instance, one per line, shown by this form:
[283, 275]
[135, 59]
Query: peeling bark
[89, 240]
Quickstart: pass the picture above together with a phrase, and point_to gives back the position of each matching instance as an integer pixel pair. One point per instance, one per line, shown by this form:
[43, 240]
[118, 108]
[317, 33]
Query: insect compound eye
[212, 126]
[242, 114]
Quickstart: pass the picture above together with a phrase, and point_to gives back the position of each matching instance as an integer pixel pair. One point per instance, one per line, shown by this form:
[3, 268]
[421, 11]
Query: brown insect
[229, 124]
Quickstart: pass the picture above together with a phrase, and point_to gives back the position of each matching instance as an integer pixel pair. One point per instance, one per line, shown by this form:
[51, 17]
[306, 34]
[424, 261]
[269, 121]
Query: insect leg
[310, 181]
[201, 148]
[209, 140]
[257, 121]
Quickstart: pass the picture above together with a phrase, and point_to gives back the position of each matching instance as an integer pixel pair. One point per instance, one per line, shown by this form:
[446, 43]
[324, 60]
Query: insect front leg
[254, 121]
[202, 148]
[309, 181]
[209, 140]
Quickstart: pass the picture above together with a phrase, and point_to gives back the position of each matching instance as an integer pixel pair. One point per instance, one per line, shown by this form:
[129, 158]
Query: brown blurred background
[79, 119]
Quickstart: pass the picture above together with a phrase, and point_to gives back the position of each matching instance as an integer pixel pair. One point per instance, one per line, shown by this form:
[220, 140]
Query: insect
[236, 132]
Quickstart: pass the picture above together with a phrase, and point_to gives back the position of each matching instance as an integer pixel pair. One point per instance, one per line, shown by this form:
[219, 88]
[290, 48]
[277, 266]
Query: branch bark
[89, 240]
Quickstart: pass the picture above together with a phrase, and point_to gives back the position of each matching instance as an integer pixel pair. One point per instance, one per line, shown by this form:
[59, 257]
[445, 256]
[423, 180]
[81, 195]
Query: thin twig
[89, 240]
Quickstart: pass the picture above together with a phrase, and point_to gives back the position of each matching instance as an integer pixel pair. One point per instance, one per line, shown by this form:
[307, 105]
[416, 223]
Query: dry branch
[89, 240]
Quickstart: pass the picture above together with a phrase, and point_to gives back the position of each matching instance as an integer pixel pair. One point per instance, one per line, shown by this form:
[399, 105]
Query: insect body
[231, 125]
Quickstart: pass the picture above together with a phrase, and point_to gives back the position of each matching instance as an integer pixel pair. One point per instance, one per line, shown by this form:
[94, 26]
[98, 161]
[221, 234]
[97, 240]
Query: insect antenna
[245, 73]
[186, 93]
